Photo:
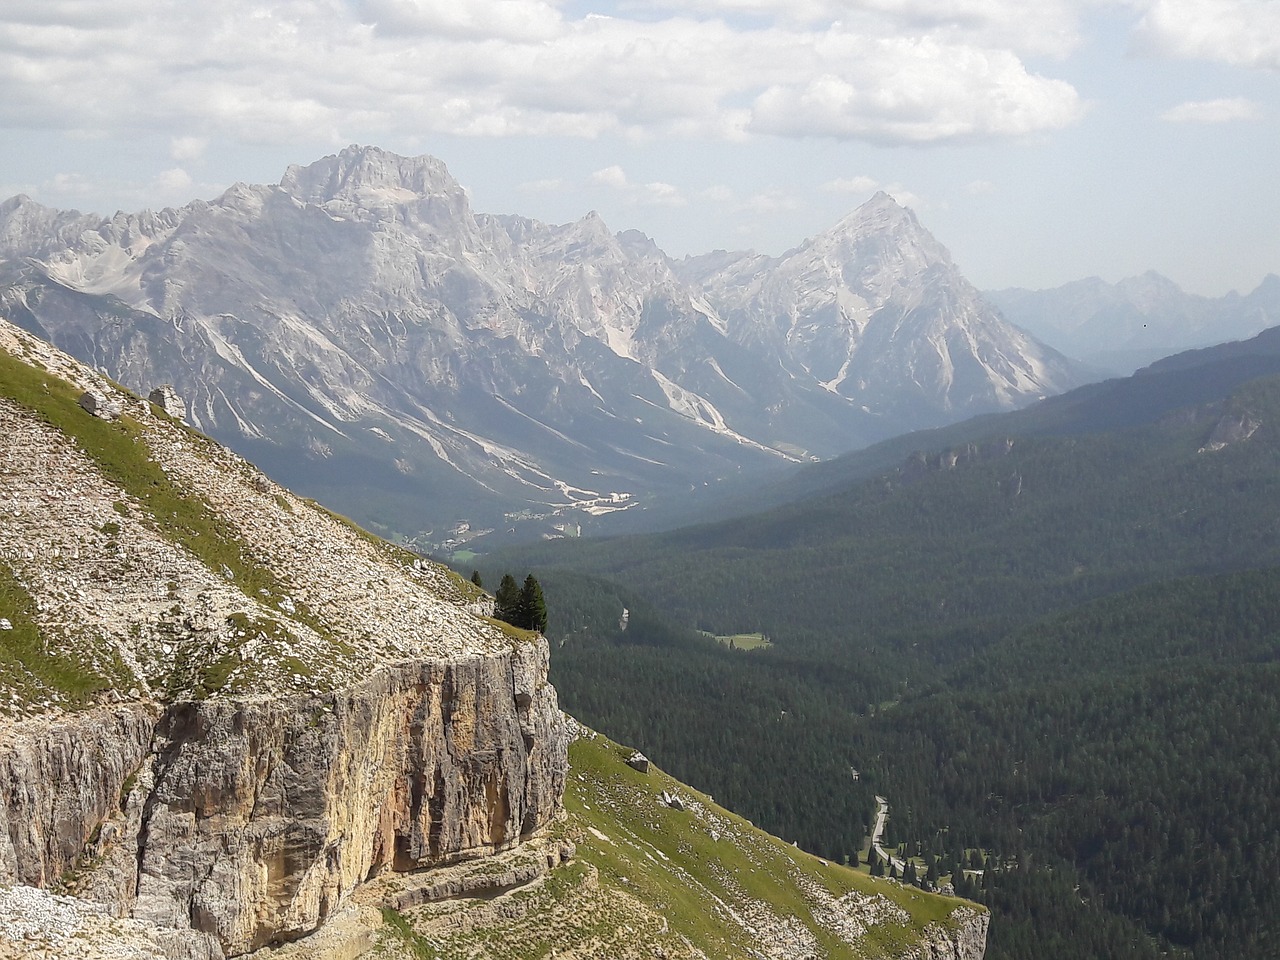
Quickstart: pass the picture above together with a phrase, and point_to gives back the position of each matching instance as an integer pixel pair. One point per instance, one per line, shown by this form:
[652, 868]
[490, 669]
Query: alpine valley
[368, 339]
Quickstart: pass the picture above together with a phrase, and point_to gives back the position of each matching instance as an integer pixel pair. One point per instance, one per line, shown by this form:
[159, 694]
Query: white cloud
[186, 149]
[1049, 27]
[864, 185]
[771, 201]
[69, 185]
[859, 184]
[1243, 33]
[905, 92]
[175, 183]
[522, 21]
[906, 197]
[662, 195]
[1213, 111]
[655, 194]
[899, 71]
[613, 176]
[978, 187]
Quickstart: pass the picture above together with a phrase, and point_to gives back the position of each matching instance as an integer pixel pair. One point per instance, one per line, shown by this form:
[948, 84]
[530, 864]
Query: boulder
[167, 399]
[97, 404]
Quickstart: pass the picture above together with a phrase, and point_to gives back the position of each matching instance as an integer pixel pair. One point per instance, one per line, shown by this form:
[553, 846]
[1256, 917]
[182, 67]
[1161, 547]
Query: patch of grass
[126, 788]
[32, 665]
[469, 591]
[744, 641]
[401, 930]
[519, 634]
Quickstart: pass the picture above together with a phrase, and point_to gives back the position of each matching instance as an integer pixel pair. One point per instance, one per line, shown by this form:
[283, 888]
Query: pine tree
[533, 608]
[475, 578]
[506, 605]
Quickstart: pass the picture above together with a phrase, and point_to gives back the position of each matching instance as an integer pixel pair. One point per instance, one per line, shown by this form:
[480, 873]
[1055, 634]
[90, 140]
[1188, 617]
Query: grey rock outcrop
[965, 938]
[1232, 428]
[59, 781]
[99, 405]
[265, 815]
[167, 399]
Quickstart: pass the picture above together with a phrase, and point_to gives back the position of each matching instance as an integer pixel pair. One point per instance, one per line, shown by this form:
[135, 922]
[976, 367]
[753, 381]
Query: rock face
[60, 781]
[875, 311]
[358, 329]
[264, 815]
[966, 940]
[251, 821]
[223, 709]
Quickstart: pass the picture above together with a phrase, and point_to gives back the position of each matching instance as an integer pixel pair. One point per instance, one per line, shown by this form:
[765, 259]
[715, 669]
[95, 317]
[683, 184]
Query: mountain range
[1118, 327]
[369, 339]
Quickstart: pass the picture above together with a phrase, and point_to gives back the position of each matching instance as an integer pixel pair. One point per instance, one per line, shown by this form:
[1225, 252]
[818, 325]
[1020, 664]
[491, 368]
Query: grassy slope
[648, 877]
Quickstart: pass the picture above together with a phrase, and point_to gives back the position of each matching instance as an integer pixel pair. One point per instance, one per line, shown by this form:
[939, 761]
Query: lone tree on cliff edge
[522, 607]
[533, 608]
[506, 605]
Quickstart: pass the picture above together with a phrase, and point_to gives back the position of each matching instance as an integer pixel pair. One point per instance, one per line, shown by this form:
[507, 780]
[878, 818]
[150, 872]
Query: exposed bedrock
[252, 820]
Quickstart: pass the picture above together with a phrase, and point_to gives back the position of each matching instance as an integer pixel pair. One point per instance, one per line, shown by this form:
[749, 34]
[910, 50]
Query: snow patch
[702, 411]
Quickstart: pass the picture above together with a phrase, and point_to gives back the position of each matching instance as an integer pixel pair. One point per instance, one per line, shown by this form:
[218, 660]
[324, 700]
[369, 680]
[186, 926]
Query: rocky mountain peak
[371, 178]
[1149, 290]
[882, 234]
[640, 245]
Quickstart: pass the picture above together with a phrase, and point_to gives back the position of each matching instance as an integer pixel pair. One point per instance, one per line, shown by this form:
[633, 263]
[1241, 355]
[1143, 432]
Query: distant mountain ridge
[364, 335]
[1125, 325]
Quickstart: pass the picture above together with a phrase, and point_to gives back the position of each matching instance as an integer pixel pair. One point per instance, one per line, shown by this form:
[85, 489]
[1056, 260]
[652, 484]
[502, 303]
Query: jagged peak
[18, 200]
[22, 203]
[879, 229]
[364, 173]
[591, 227]
[882, 212]
[1270, 284]
[639, 244]
[1149, 282]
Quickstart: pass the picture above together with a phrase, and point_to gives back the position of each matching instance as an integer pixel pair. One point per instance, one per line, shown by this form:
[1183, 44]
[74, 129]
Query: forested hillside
[1054, 655]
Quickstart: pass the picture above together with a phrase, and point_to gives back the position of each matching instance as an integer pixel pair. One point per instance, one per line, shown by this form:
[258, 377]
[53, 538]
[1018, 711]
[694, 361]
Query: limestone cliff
[221, 708]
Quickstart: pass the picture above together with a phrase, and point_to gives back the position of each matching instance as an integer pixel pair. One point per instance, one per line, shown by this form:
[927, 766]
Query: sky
[1041, 141]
